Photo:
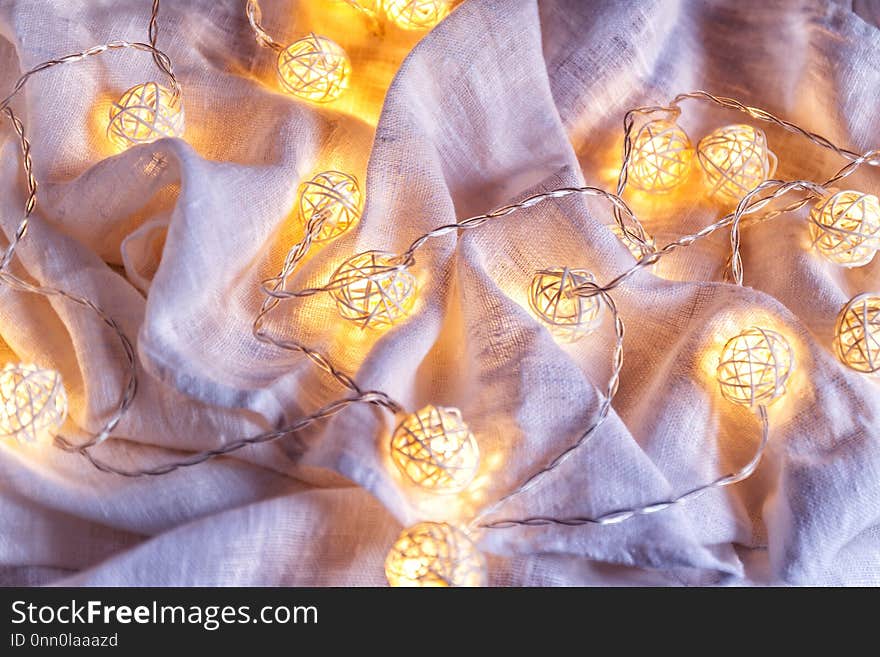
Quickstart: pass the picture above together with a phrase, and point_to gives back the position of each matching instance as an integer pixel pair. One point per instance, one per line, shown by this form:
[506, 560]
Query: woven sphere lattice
[435, 554]
[373, 290]
[143, 114]
[735, 159]
[754, 367]
[845, 227]
[416, 14]
[554, 299]
[662, 157]
[33, 403]
[857, 336]
[332, 197]
[436, 450]
[314, 68]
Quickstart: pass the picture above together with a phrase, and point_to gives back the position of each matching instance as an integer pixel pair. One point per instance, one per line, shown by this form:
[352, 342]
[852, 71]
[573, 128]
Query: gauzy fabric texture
[502, 99]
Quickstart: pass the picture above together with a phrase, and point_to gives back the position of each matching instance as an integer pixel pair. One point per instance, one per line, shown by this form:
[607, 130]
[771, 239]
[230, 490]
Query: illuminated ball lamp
[662, 157]
[331, 199]
[33, 403]
[735, 159]
[554, 299]
[435, 554]
[754, 367]
[857, 334]
[845, 227]
[435, 450]
[373, 290]
[314, 68]
[416, 14]
[143, 114]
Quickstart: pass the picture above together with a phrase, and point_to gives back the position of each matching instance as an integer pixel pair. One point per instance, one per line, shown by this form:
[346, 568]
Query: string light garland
[416, 14]
[754, 367]
[735, 159]
[334, 199]
[435, 450]
[662, 157]
[554, 299]
[33, 403]
[845, 227]
[857, 334]
[637, 250]
[313, 68]
[372, 290]
[377, 288]
[435, 554]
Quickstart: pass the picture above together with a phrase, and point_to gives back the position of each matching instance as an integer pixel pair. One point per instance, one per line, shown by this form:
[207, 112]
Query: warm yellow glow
[754, 367]
[143, 114]
[333, 198]
[416, 14]
[373, 290]
[314, 68]
[857, 337]
[435, 554]
[554, 299]
[735, 159]
[436, 450]
[33, 404]
[845, 227]
[637, 250]
[661, 158]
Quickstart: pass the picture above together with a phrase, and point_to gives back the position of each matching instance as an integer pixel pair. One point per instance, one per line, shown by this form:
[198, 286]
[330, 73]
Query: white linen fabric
[503, 98]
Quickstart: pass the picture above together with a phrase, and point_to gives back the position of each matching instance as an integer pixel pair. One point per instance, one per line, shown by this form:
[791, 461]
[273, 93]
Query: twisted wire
[255, 17]
[163, 62]
[30, 182]
[620, 515]
[85, 54]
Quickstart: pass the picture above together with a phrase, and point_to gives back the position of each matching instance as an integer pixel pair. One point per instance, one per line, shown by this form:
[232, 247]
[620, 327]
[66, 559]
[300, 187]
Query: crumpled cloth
[502, 99]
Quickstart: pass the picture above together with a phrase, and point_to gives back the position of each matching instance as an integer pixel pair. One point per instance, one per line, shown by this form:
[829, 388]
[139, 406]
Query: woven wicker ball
[314, 68]
[143, 114]
[33, 403]
[435, 450]
[857, 337]
[416, 14]
[373, 291]
[555, 301]
[735, 159]
[435, 554]
[334, 199]
[754, 367]
[662, 157]
[845, 228]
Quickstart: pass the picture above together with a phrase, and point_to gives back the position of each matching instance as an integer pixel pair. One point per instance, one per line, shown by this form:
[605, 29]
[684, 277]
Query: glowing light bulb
[735, 159]
[314, 68]
[435, 554]
[436, 450]
[416, 14]
[662, 157]
[754, 367]
[554, 299]
[332, 197]
[638, 251]
[373, 290]
[143, 114]
[857, 336]
[845, 228]
[33, 403]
